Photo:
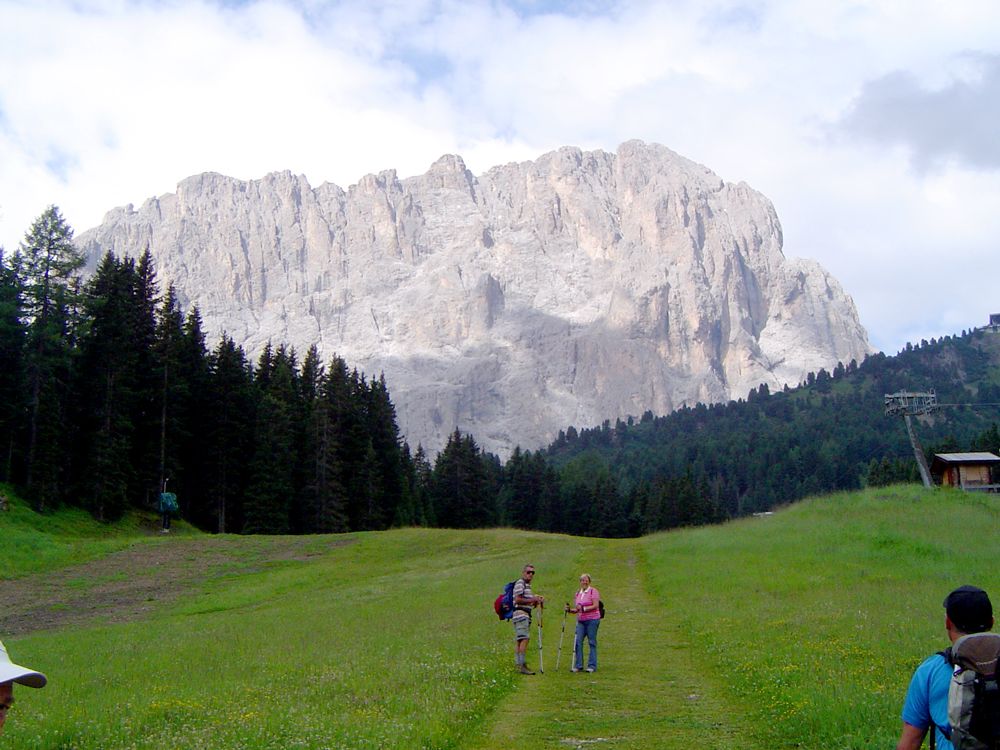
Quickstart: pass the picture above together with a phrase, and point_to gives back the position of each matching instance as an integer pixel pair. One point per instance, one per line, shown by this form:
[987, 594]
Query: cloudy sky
[873, 125]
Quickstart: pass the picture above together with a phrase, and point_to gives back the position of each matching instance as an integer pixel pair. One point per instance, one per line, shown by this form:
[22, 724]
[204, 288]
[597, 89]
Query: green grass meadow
[36, 542]
[795, 630]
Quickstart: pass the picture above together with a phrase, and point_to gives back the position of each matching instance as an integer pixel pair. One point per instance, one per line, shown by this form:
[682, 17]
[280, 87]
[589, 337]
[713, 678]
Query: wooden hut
[967, 471]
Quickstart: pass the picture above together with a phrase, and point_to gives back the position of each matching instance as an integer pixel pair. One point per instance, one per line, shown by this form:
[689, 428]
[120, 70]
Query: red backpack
[503, 605]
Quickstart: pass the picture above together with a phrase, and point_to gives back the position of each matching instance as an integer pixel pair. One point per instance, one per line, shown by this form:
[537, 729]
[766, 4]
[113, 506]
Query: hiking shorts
[522, 629]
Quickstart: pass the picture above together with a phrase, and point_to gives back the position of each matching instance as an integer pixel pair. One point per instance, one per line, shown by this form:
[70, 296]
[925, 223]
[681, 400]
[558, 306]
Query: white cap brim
[23, 676]
[11, 672]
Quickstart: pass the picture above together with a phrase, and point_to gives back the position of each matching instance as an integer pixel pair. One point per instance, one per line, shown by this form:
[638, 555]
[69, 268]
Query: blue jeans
[588, 629]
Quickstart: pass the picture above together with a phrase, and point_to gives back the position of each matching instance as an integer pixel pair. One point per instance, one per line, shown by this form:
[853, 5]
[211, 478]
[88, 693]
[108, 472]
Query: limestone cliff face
[579, 287]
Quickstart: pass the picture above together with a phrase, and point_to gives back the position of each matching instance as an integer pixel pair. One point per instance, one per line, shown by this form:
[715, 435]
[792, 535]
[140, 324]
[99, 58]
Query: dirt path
[129, 584]
[649, 691]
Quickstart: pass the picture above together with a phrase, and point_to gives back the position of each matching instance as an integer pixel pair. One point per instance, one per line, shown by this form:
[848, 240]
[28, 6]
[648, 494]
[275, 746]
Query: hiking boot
[523, 669]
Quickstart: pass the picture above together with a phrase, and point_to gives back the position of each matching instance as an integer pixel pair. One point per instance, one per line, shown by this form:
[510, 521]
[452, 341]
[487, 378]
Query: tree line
[109, 394]
[828, 434]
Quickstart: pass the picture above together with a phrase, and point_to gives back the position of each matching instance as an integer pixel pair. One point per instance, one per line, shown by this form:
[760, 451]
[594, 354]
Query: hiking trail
[649, 685]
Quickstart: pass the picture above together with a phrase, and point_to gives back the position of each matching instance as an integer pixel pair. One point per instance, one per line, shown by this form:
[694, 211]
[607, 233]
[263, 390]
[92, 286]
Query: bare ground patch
[131, 583]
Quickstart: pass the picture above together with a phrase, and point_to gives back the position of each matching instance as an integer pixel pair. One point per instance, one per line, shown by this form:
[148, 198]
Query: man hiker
[968, 610]
[524, 602]
[9, 674]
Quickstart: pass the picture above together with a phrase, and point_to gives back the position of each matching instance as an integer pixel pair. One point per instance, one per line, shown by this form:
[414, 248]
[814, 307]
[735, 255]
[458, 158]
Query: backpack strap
[515, 605]
[947, 655]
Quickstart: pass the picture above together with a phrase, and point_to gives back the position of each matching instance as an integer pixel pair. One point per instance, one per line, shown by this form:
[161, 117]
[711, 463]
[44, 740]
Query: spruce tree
[228, 438]
[193, 411]
[13, 336]
[171, 391]
[385, 439]
[272, 469]
[146, 443]
[324, 490]
[346, 393]
[50, 266]
[107, 392]
[423, 477]
[460, 488]
[366, 486]
[406, 514]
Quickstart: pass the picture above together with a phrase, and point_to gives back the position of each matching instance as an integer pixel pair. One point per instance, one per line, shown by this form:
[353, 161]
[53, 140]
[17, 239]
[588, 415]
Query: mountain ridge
[566, 290]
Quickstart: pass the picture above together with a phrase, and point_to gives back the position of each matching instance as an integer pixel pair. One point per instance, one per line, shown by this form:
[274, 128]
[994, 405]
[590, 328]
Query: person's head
[584, 580]
[6, 700]
[968, 610]
[9, 674]
[528, 572]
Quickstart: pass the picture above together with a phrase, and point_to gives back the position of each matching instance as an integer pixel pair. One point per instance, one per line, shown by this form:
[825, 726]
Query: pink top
[588, 598]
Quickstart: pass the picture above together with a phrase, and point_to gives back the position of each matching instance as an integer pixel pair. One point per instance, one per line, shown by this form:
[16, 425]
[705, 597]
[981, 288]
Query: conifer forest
[110, 394]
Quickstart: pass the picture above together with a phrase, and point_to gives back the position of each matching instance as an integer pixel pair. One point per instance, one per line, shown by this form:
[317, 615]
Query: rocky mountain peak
[578, 287]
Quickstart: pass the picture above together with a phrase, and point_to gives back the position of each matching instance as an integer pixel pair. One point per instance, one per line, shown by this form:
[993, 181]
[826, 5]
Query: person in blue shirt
[967, 610]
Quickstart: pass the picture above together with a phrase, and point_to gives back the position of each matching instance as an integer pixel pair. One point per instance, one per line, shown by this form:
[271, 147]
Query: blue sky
[872, 126]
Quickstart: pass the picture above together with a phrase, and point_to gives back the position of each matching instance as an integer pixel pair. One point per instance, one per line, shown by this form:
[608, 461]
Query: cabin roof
[966, 458]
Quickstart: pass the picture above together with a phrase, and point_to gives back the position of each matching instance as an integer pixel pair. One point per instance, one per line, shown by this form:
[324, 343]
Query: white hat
[9, 671]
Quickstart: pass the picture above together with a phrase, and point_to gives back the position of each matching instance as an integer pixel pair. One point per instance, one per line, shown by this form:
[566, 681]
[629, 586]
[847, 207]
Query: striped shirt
[521, 588]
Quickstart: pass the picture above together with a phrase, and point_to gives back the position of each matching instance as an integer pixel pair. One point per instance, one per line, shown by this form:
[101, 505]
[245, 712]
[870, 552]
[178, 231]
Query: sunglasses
[529, 572]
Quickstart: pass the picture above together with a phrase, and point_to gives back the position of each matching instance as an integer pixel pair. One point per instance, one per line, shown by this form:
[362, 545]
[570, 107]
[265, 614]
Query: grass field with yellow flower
[798, 629]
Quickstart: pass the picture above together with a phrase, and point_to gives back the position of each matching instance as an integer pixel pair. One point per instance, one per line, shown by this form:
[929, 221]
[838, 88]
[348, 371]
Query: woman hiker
[587, 606]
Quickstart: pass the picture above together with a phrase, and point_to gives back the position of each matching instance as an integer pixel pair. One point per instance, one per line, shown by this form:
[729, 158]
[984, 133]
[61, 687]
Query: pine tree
[193, 375]
[107, 393]
[272, 469]
[171, 390]
[460, 490]
[346, 393]
[575, 502]
[146, 419]
[228, 438]
[988, 441]
[324, 497]
[423, 474]
[50, 266]
[385, 438]
[366, 488]
[548, 494]
[13, 337]
[407, 514]
[521, 491]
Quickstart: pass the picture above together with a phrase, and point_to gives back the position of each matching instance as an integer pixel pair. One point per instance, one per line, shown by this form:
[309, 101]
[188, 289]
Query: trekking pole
[561, 634]
[541, 668]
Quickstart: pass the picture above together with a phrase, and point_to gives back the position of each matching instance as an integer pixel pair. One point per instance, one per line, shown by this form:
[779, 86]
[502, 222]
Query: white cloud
[106, 103]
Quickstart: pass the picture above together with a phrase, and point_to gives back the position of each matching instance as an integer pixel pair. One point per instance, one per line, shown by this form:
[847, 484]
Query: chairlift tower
[911, 404]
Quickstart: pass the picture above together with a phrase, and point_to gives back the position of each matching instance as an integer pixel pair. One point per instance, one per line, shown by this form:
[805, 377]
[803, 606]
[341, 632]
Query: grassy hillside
[798, 629]
[34, 542]
[774, 448]
[820, 612]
